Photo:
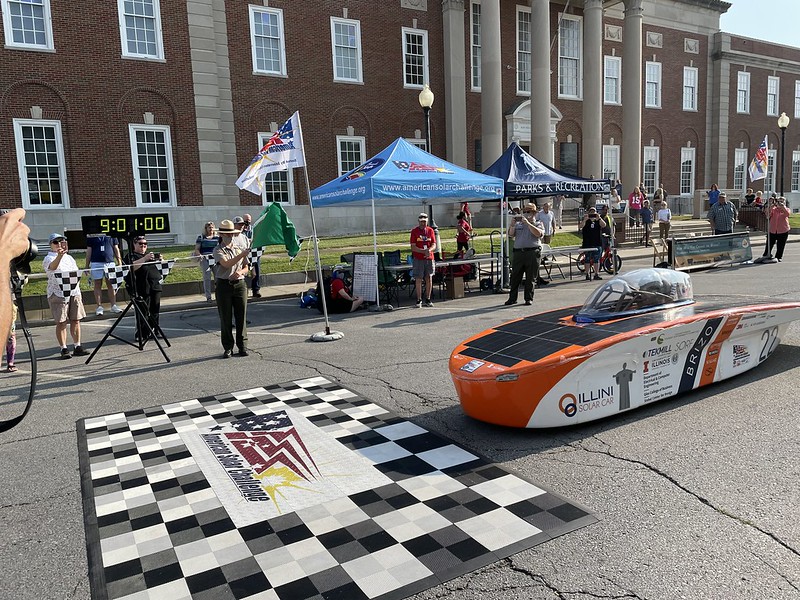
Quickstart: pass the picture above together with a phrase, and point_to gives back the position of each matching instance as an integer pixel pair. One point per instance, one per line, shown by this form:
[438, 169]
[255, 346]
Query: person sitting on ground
[342, 300]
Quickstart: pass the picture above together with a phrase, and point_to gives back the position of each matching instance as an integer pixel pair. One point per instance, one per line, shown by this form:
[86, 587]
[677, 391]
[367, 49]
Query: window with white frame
[743, 92]
[41, 165]
[650, 168]
[415, 58]
[797, 99]
[523, 50]
[267, 40]
[351, 152]
[153, 175]
[773, 92]
[652, 94]
[27, 24]
[569, 57]
[689, 88]
[278, 185]
[769, 183]
[687, 171]
[346, 46]
[795, 185]
[475, 44]
[739, 168]
[611, 162]
[140, 28]
[612, 79]
[419, 143]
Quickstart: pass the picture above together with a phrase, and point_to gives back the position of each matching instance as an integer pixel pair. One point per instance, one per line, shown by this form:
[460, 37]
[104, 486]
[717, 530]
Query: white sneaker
[419, 303]
[115, 309]
[99, 310]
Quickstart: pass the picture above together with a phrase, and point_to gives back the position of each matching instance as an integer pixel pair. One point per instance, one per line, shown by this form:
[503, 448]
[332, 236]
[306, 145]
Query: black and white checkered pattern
[256, 254]
[68, 281]
[209, 258]
[156, 528]
[165, 266]
[116, 275]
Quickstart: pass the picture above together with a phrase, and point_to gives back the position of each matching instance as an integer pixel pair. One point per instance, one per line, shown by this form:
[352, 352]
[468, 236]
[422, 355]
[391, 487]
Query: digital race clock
[126, 225]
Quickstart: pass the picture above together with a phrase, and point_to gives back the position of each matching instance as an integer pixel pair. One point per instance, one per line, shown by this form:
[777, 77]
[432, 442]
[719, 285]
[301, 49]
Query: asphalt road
[697, 496]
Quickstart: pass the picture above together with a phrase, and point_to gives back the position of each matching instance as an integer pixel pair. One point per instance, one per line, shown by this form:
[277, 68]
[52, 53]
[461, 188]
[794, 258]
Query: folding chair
[389, 281]
[549, 261]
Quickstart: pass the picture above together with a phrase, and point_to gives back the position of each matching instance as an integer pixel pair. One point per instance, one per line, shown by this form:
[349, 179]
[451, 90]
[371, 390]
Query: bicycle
[605, 261]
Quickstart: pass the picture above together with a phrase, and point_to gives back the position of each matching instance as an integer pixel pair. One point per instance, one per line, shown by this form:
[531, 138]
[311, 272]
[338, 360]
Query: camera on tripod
[21, 265]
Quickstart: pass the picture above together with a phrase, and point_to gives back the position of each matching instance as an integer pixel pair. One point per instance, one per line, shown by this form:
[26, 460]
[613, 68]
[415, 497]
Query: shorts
[421, 267]
[591, 255]
[98, 270]
[66, 309]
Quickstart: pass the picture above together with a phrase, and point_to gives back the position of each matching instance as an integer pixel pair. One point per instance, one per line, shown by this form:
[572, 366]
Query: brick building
[158, 105]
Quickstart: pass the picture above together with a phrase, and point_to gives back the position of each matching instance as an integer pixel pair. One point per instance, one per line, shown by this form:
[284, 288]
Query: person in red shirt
[423, 245]
[343, 300]
[464, 230]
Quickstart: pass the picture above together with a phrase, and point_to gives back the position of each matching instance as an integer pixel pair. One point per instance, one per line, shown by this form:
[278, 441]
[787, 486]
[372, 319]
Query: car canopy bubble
[639, 291]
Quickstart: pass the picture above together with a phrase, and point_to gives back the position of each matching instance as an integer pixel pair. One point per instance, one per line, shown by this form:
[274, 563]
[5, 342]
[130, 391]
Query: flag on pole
[758, 168]
[273, 227]
[284, 150]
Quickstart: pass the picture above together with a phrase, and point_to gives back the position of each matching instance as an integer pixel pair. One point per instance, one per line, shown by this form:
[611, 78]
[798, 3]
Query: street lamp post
[783, 123]
[426, 102]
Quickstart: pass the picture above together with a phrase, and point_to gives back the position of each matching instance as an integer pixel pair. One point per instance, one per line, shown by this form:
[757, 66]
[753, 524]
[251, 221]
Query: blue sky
[772, 20]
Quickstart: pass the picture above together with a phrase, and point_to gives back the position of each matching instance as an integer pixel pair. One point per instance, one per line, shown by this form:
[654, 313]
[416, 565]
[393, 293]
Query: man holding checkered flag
[64, 294]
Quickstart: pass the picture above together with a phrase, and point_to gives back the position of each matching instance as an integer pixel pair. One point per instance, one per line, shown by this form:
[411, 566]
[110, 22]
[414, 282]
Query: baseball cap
[723, 195]
[422, 216]
[238, 220]
[54, 237]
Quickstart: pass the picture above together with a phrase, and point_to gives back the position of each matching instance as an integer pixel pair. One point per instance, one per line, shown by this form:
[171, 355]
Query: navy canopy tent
[524, 175]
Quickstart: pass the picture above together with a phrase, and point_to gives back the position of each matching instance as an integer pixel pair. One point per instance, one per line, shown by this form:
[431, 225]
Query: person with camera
[148, 282]
[527, 234]
[230, 270]
[66, 310]
[778, 215]
[14, 245]
[592, 228]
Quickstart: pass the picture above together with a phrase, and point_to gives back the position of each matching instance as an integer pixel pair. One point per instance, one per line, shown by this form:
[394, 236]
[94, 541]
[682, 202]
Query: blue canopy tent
[403, 175]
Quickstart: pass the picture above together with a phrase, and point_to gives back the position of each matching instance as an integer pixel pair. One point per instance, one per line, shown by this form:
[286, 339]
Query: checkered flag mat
[165, 266]
[255, 254]
[68, 281]
[116, 275]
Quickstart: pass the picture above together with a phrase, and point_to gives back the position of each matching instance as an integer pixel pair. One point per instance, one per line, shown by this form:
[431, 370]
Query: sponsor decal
[362, 170]
[741, 355]
[572, 404]
[472, 366]
[691, 366]
[415, 167]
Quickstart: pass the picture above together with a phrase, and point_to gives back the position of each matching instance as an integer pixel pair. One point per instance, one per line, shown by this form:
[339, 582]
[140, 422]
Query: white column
[455, 82]
[631, 96]
[592, 88]
[491, 84]
[541, 142]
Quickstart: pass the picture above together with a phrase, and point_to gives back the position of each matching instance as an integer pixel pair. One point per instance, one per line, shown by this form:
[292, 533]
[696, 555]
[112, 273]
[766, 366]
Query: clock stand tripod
[141, 312]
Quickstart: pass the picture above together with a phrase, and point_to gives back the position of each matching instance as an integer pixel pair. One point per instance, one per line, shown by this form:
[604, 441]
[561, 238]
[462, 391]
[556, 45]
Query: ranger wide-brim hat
[226, 226]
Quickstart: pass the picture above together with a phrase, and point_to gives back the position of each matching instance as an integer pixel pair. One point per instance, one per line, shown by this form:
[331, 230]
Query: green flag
[273, 228]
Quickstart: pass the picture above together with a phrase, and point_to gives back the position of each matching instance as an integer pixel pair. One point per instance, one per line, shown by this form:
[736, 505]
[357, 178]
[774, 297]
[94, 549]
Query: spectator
[713, 195]
[778, 227]
[230, 271]
[646, 215]
[635, 203]
[592, 229]
[722, 215]
[749, 196]
[619, 188]
[204, 247]
[659, 195]
[467, 213]
[67, 310]
[527, 251]
[423, 245]
[342, 300]
[615, 201]
[547, 219]
[759, 201]
[558, 209]
[664, 217]
[147, 280]
[102, 252]
[463, 232]
[608, 221]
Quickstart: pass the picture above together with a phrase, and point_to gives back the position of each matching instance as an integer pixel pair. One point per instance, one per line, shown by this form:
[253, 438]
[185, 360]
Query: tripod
[145, 330]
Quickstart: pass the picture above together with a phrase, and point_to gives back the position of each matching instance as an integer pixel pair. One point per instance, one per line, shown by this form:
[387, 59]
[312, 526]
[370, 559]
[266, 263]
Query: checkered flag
[209, 258]
[165, 266]
[67, 281]
[116, 275]
[255, 254]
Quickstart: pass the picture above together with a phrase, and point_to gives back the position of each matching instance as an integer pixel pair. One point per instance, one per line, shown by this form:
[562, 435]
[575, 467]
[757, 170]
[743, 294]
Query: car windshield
[639, 291]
